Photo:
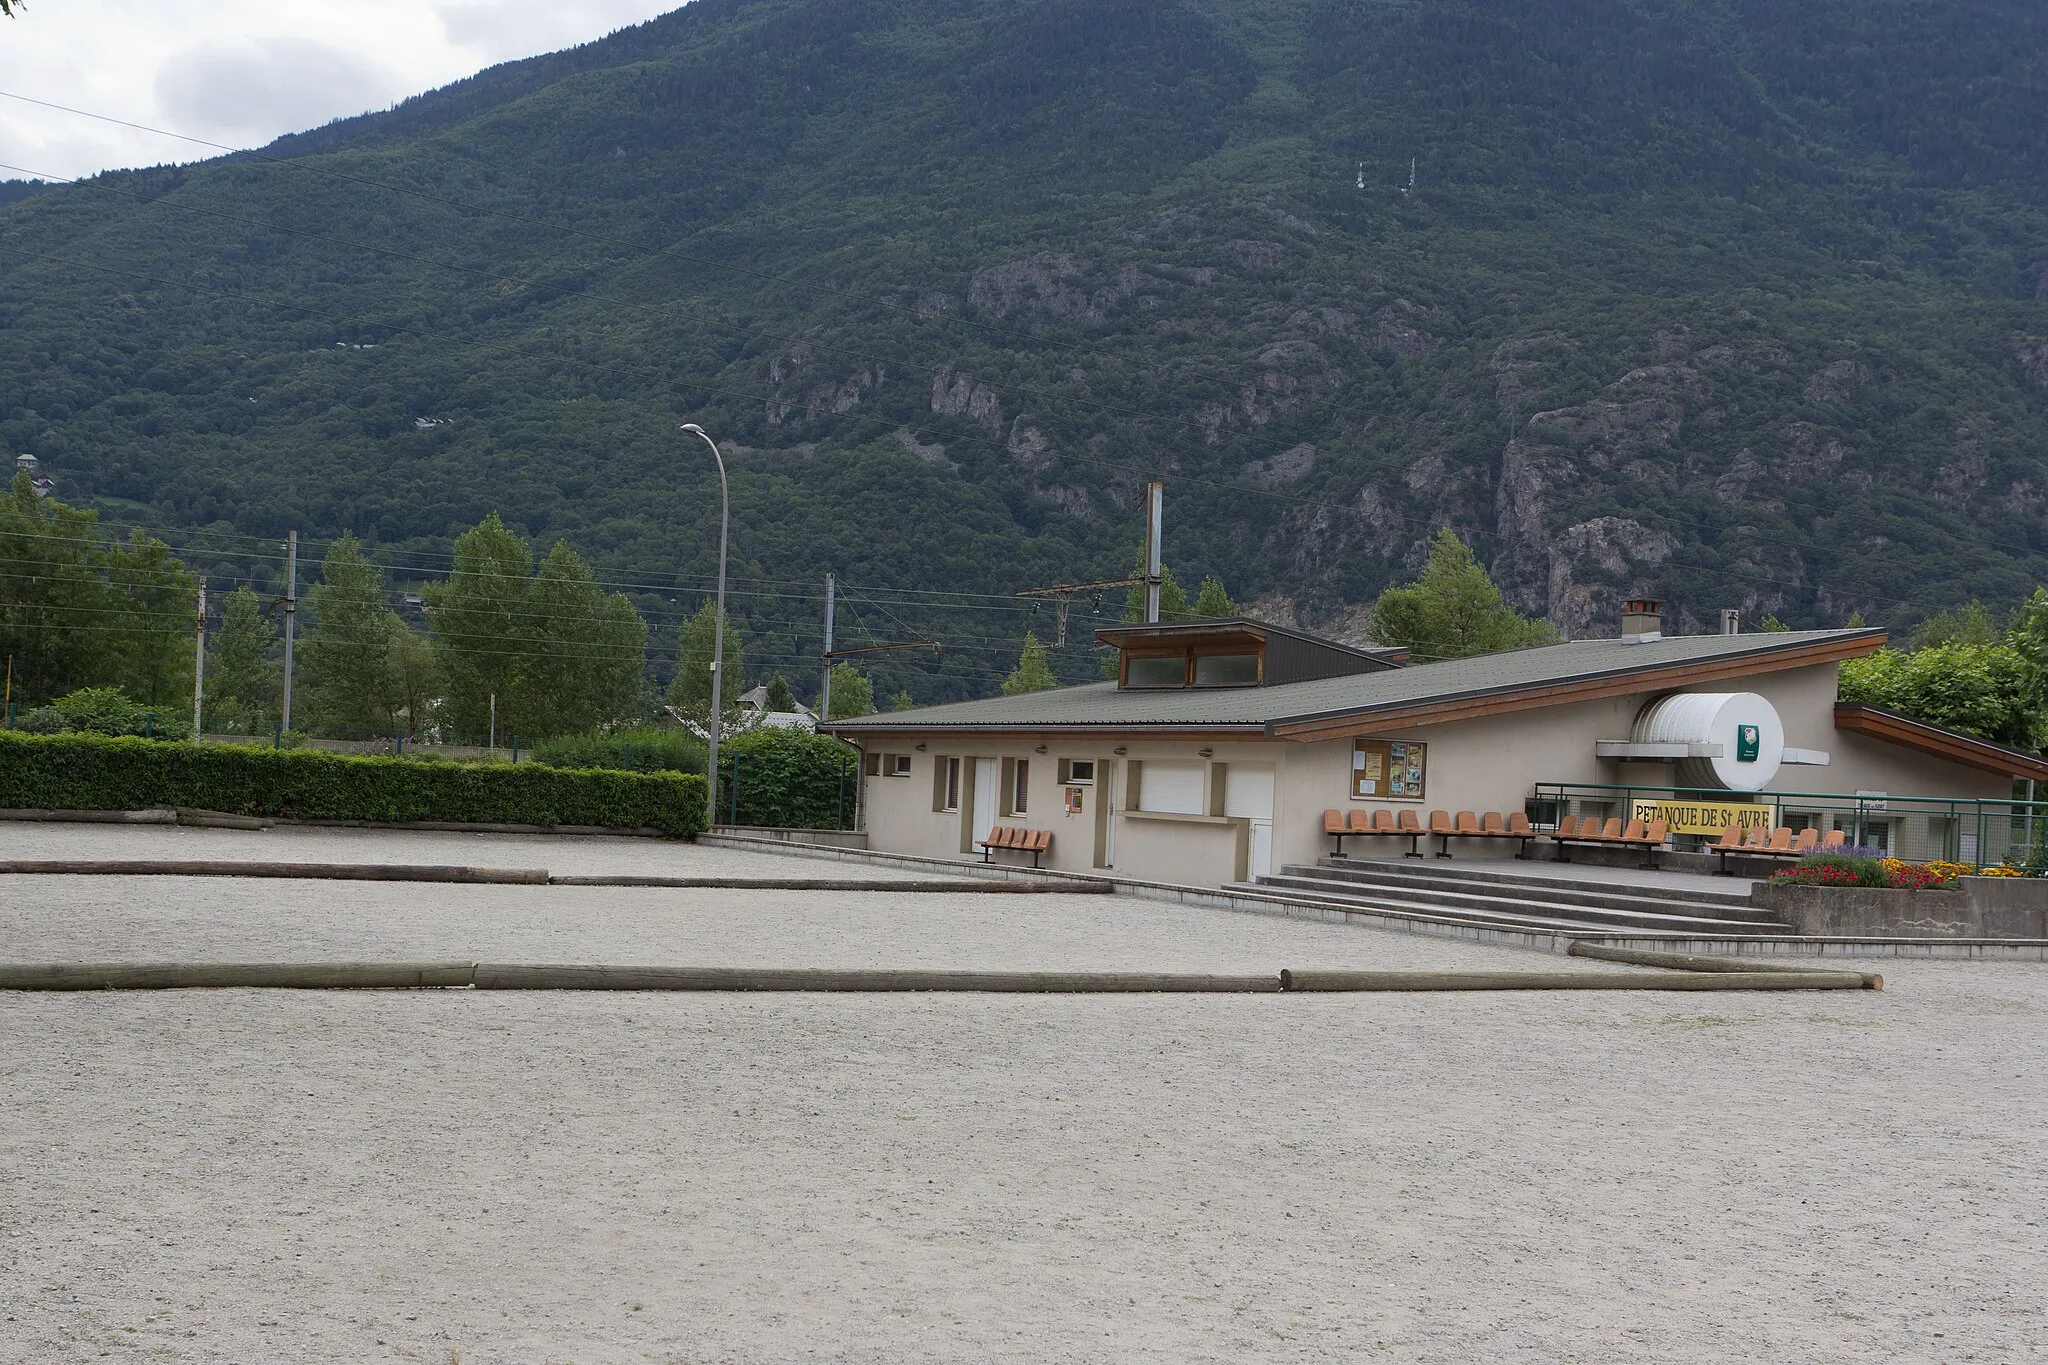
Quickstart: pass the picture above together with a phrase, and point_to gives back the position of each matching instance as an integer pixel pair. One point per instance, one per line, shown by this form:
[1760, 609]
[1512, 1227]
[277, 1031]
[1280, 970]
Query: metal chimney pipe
[1155, 511]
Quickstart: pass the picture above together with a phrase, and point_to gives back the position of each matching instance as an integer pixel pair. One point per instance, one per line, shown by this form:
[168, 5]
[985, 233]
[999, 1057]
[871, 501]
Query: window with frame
[945, 783]
[1226, 670]
[886, 765]
[1077, 772]
[1020, 787]
[1156, 670]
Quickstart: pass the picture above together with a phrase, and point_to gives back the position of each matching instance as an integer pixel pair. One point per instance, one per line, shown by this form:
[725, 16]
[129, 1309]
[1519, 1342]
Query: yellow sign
[1702, 817]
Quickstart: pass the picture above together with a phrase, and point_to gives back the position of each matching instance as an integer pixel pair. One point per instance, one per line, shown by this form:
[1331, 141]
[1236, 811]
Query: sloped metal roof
[1100, 706]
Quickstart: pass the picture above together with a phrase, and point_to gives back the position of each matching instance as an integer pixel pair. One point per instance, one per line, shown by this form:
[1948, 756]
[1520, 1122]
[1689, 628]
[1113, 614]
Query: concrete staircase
[1494, 896]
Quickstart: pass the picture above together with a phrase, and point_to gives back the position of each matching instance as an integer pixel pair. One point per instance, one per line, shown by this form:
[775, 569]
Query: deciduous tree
[1453, 610]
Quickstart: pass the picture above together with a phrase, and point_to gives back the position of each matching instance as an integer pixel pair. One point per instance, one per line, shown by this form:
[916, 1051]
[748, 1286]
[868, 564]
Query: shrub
[90, 772]
[102, 711]
[789, 778]
[646, 750]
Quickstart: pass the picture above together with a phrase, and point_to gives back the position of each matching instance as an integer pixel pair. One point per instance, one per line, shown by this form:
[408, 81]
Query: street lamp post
[717, 637]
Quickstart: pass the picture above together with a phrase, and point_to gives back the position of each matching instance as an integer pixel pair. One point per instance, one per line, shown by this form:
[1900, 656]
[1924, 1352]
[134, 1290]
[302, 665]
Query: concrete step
[1731, 904]
[1504, 907]
[1675, 928]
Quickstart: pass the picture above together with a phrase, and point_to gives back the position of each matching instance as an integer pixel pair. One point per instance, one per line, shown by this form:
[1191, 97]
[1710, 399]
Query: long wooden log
[1573, 981]
[345, 872]
[1694, 962]
[978, 885]
[159, 976]
[577, 977]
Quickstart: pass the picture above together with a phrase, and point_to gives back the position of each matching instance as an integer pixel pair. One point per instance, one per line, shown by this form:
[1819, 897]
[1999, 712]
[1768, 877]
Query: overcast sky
[244, 71]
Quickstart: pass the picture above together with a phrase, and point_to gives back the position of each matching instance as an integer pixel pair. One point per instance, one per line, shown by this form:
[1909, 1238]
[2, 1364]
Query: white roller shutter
[1173, 788]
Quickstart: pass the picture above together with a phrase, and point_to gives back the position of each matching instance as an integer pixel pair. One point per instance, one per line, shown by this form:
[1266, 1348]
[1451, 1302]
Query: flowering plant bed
[1894, 874]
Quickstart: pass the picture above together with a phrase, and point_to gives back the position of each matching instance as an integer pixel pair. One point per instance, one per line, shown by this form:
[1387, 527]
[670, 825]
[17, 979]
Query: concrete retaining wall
[1983, 907]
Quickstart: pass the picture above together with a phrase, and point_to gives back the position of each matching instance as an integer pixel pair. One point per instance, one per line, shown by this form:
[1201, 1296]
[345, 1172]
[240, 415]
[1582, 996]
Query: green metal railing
[1917, 828]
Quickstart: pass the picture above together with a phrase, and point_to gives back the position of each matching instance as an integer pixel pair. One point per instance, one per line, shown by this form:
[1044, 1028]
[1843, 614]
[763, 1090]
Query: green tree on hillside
[585, 651]
[479, 624]
[51, 588]
[1965, 625]
[559, 654]
[902, 701]
[155, 602]
[351, 681]
[1213, 603]
[243, 681]
[1990, 690]
[852, 693]
[1453, 610]
[1032, 673]
[780, 697]
[689, 692]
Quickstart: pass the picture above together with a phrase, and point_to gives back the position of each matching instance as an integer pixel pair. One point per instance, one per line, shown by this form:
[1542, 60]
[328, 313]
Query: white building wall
[1491, 763]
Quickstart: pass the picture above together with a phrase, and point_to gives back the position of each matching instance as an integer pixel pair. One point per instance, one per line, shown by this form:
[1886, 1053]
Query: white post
[717, 639]
[825, 686]
[199, 666]
[494, 725]
[1155, 511]
[291, 618]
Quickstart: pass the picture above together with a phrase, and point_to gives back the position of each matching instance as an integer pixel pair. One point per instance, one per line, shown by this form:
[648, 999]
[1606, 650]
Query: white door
[1248, 795]
[984, 797]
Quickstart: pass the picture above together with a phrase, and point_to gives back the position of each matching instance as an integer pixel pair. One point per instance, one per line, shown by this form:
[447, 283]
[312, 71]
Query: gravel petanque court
[538, 1179]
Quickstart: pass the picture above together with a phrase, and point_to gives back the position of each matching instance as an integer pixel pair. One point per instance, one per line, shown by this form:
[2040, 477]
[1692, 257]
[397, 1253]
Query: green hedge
[84, 772]
[788, 778]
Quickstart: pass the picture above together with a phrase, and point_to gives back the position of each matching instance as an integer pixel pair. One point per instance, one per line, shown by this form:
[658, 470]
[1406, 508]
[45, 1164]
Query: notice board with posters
[1389, 769]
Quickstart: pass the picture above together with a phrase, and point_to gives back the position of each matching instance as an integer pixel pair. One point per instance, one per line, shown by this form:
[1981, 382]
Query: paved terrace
[544, 1178]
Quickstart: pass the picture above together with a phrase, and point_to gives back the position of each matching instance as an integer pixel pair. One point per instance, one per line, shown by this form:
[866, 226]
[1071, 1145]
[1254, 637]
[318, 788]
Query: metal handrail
[1972, 829]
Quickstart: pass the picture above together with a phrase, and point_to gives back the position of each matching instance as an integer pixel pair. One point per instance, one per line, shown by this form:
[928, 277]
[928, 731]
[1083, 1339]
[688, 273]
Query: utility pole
[1155, 512]
[199, 665]
[291, 617]
[825, 659]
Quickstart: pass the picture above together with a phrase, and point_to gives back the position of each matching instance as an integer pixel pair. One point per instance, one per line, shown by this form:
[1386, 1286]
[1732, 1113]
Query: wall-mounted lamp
[920, 748]
[1039, 750]
[1206, 753]
[1119, 751]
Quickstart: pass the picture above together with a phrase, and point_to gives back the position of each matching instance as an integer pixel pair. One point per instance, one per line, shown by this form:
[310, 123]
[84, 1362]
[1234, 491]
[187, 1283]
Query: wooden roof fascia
[1165, 729]
[1502, 701]
[1937, 741]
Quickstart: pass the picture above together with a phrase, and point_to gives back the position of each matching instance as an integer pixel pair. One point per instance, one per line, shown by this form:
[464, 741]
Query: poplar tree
[1033, 673]
[243, 684]
[350, 679]
[479, 624]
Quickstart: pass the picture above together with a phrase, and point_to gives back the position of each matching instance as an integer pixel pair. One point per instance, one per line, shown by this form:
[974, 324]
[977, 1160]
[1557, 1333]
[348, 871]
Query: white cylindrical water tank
[1746, 726]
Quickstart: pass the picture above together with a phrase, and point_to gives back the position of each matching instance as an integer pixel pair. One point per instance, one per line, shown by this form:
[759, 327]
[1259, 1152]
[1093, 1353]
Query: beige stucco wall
[1492, 763]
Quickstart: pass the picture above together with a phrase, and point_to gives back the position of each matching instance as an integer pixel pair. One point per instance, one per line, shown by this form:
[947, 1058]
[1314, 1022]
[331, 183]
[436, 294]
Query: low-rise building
[1217, 750]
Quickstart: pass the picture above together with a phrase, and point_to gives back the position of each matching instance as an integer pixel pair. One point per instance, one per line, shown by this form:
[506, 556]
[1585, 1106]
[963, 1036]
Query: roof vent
[1642, 620]
[1731, 621]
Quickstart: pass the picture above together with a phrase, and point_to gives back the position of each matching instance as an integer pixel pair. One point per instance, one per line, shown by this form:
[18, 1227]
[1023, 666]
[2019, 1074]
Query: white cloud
[246, 71]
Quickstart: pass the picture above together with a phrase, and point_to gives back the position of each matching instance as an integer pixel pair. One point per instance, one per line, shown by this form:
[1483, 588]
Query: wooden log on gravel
[160, 976]
[1573, 981]
[1693, 962]
[345, 872]
[574, 977]
[977, 885]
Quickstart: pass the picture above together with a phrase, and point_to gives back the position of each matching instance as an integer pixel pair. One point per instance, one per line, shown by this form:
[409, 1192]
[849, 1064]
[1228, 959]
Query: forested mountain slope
[1740, 303]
